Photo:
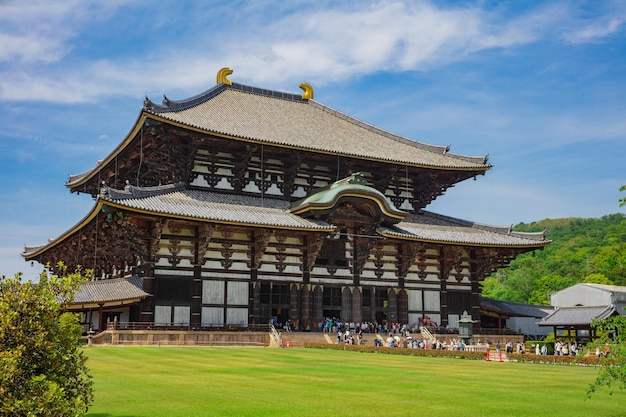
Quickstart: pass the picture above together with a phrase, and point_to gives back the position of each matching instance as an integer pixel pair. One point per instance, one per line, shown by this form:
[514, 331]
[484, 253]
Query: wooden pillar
[475, 292]
[317, 303]
[392, 306]
[294, 303]
[101, 319]
[443, 290]
[254, 304]
[403, 306]
[346, 304]
[196, 297]
[146, 314]
[357, 305]
[305, 309]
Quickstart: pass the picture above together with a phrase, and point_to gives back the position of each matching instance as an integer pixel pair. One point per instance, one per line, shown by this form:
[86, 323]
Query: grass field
[203, 381]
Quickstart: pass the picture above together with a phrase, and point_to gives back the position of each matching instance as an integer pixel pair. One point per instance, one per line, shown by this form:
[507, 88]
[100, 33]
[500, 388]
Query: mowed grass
[205, 381]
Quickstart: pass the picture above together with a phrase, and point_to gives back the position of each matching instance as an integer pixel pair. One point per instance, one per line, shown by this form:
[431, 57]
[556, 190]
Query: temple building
[241, 205]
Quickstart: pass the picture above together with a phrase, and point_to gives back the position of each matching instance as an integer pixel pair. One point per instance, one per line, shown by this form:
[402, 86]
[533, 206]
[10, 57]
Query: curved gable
[350, 196]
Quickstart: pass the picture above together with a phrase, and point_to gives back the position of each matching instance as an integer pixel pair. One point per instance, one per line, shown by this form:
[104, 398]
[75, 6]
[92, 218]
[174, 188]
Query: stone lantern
[465, 327]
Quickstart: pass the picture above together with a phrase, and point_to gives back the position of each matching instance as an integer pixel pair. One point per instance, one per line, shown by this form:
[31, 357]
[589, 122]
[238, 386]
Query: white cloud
[595, 31]
[321, 44]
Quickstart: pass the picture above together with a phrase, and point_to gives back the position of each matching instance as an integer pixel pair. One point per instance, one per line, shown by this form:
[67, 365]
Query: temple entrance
[280, 317]
[332, 313]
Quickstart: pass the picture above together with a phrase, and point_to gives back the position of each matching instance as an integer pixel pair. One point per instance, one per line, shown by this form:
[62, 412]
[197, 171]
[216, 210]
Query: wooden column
[346, 304]
[294, 303]
[305, 308]
[318, 303]
[357, 305]
[392, 306]
[475, 290]
[403, 306]
[196, 297]
[254, 305]
[146, 314]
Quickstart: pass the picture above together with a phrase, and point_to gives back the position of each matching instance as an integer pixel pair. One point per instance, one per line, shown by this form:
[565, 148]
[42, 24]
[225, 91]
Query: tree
[612, 333]
[597, 279]
[42, 366]
[622, 201]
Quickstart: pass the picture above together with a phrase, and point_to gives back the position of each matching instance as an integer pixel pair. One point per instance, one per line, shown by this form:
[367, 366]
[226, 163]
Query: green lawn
[205, 381]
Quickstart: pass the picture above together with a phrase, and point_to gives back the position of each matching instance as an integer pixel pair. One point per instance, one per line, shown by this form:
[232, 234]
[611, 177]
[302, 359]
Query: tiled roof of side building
[572, 316]
[515, 309]
[286, 119]
[118, 289]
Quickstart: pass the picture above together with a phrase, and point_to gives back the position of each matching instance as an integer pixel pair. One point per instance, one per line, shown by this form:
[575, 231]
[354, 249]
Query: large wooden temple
[242, 204]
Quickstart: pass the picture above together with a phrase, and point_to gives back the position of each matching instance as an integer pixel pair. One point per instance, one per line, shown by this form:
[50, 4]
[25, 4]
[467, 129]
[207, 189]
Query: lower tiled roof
[218, 207]
[432, 227]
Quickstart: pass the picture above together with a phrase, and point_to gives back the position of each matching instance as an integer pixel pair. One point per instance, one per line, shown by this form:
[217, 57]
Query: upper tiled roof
[109, 290]
[577, 316]
[427, 226]
[286, 119]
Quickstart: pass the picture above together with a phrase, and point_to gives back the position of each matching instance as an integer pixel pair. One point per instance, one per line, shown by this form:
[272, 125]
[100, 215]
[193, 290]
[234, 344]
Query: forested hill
[582, 250]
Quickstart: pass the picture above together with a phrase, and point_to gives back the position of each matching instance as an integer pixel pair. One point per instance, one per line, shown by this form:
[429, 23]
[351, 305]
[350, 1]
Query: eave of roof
[174, 201]
[109, 292]
[435, 228]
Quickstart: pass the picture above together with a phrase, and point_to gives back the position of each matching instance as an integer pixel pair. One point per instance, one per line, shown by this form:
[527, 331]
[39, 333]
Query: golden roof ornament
[308, 91]
[222, 74]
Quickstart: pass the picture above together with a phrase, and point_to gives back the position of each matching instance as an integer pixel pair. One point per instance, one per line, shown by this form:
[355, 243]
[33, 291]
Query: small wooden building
[577, 306]
[241, 205]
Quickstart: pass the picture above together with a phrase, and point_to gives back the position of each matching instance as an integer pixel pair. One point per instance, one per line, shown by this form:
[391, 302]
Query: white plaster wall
[580, 295]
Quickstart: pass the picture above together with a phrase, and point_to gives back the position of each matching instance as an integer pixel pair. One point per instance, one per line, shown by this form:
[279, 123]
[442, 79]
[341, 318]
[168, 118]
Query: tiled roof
[203, 205]
[577, 316]
[515, 309]
[175, 200]
[108, 290]
[427, 226]
[286, 119]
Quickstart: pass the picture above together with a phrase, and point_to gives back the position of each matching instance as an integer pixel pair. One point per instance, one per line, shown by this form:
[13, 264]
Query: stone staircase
[298, 339]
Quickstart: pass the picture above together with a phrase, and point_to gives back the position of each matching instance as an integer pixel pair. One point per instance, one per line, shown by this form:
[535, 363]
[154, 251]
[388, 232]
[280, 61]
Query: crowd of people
[334, 325]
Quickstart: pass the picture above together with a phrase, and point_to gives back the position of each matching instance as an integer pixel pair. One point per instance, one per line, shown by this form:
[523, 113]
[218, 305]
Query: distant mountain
[582, 250]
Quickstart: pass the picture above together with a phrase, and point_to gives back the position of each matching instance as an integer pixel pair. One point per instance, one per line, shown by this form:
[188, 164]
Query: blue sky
[540, 86]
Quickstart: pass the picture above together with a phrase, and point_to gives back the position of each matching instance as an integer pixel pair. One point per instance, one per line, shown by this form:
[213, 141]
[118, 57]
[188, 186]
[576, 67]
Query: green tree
[42, 366]
[612, 332]
[597, 279]
[622, 201]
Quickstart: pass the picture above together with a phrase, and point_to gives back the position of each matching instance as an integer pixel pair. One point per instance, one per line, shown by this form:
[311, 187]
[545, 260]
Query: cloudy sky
[538, 86]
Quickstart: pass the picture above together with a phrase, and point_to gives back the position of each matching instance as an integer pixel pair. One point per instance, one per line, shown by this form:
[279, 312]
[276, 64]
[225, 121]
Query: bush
[42, 366]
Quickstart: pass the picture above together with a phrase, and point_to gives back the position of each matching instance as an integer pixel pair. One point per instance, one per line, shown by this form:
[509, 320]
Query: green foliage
[597, 279]
[582, 250]
[622, 201]
[612, 332]
[42, 367]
